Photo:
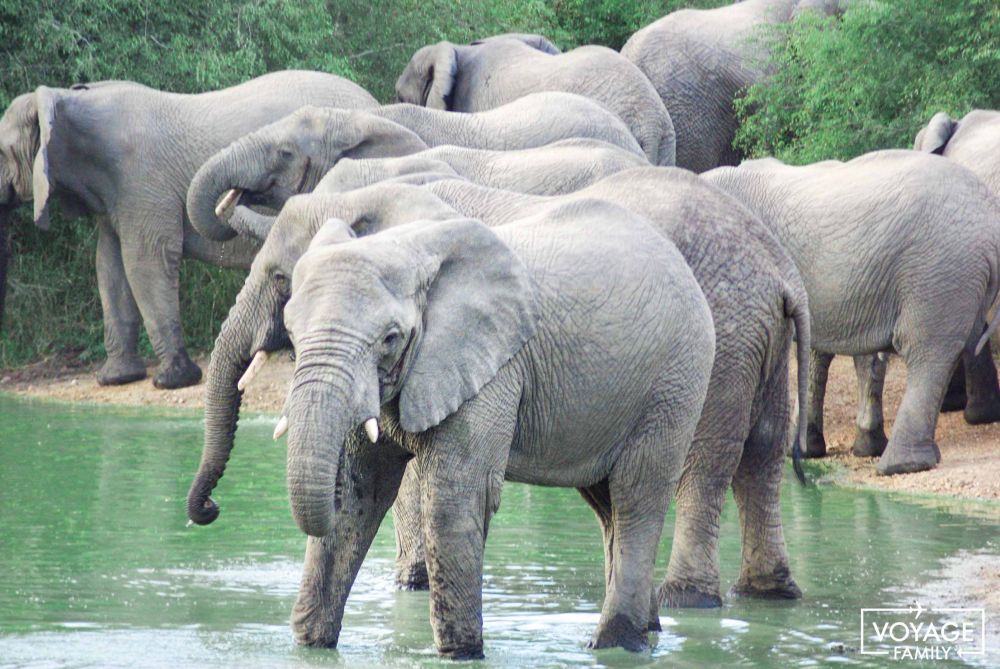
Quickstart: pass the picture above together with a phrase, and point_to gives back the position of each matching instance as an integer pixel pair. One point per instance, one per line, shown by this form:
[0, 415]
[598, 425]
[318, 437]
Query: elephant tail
[797, 308]
[994, 289]
[990, 329]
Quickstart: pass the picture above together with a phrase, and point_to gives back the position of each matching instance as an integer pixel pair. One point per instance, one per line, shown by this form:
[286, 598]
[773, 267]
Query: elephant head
[255, 327]
[935, 136]
[288, 157]
[423, 316]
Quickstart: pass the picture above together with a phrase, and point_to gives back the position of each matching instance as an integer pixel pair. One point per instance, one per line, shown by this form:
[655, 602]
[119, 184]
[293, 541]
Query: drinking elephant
[126, 153]
[291, 155]
[973, 141]
[449, 340]
[493, 72]
[899, 253]
[701, 60]
[561, 167]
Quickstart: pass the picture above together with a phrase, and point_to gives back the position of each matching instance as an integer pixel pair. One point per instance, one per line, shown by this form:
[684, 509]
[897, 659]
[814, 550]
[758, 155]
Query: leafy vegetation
[872, 78]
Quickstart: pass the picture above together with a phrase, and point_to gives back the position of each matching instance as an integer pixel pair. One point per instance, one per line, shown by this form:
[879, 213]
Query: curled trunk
[241, 165]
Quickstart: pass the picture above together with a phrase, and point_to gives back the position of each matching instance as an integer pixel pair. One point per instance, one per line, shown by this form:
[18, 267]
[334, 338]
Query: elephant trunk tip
[202, 510]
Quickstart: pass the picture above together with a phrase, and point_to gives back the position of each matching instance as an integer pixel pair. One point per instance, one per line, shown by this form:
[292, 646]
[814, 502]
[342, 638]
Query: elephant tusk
[230, 198]
[259, 358]
[281, 427]
[371, 429]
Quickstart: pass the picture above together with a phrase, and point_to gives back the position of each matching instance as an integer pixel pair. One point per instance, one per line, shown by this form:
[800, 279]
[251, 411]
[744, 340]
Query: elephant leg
[983, 404]
[955, 397]
[693, 572]
[870, 440]
[121, 315]
[152, 263]
[819, 369]
[332, 562]
[911, 447]
[599, 499]
[764, 569]
[411, 565]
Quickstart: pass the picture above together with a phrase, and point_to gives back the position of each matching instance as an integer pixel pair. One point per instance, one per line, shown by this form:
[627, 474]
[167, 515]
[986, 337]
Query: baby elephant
[899, 252]
[535, 351]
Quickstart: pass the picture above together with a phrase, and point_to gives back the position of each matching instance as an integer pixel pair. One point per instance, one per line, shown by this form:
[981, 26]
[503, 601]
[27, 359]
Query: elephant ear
[934, 138]
[45, 102]
[333, 231]
[371, 136]
[481, 308]
[430, 76]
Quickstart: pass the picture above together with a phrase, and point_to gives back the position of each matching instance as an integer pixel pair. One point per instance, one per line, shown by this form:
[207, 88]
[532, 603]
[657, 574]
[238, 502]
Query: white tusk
[371, 429]
[230, 198]
[189, 523]
[259, 358]
[281, 427]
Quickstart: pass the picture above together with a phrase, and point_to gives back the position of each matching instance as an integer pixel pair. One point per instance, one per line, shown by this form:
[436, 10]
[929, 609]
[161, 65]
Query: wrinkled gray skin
[899, 253]
[752, 287]
[455, 336]
[699, 61]
[254, 322]
[973, 141]
[126, 153]
[492, 72]
[553, 169]
[292, 155]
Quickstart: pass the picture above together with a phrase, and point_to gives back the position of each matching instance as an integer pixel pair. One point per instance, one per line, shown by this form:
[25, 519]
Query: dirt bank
[970, 466]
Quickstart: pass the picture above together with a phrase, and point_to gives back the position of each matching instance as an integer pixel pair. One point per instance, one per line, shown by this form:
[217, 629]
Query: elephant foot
[179, 372]
[311, 628]
[778, 584]
[619, 632]
[815, 443]
[869, 443]
[982, 412]
[119, 371]
[686, 596]
[907, 459]
[412, 577]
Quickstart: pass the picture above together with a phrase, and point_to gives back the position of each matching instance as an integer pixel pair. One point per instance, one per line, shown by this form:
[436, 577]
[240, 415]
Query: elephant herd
[535, 266]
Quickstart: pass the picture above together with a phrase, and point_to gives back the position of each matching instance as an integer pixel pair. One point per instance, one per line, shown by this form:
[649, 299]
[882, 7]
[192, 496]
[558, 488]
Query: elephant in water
[451, 343]
[495, 71]
[700, 60]
[561, 167]
[291, 155]
[126, 153]
[899, 252]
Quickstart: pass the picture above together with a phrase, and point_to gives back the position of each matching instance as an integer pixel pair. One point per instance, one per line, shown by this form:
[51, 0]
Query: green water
[97, 568]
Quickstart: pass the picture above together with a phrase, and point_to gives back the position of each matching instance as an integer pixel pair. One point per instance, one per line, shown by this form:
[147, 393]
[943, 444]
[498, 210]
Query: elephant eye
[286, 155]
[391, 340]
[281, 283]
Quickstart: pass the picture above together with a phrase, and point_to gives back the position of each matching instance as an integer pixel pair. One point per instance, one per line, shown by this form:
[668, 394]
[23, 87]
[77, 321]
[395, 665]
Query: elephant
[561, 167]
[126, 153]
[973, 142]
[701, 60]
[493, 72]
[291, 155]
[751, 285]
[535, 352]
[899, 253]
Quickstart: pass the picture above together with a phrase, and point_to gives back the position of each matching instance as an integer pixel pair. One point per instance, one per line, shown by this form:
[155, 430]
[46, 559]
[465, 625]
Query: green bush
[871, 79]
[612, 22]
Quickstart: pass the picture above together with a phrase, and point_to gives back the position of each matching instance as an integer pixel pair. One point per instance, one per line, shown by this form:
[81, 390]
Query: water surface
[97, 568]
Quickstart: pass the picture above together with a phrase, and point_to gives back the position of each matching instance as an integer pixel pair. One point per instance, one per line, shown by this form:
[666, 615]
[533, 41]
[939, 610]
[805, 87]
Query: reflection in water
[97, 568]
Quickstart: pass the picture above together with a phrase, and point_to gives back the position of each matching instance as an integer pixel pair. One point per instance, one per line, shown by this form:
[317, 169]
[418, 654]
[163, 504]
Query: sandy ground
[970, 465]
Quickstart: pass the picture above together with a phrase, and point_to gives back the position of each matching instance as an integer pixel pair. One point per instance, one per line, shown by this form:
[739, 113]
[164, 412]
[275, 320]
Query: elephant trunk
[230, 359]
[239, 166]
[4, 258]
[326, 404]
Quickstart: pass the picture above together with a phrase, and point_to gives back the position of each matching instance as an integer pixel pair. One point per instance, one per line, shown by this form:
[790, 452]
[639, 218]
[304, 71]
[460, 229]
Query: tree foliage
[872, 78]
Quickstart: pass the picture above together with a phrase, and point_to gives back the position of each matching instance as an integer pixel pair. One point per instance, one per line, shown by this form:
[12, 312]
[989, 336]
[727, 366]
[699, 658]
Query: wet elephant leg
[983, 404]
[121, 314]
[151, 254]
[764, 569]
[819, 369]
[332, 562]
[870, 440]
[411, 565]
